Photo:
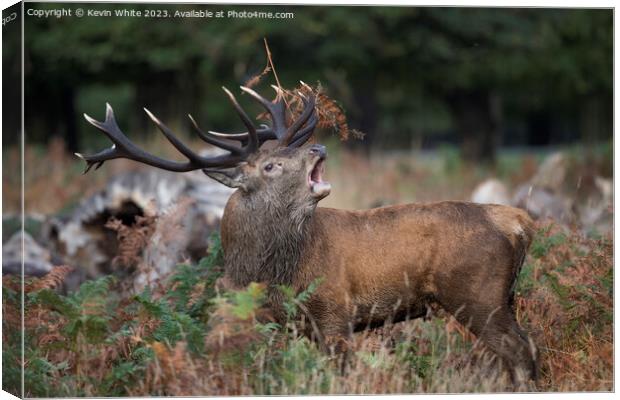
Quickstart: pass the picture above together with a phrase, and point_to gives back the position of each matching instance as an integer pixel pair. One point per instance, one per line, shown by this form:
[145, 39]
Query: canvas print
[217, 200]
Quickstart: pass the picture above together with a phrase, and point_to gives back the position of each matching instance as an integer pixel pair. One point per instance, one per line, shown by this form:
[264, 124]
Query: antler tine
[264, 133]
[212, 140]
[291, 136]
[276, 110]
[305, 133]
[183, 149]
[252, 136]
[124, 148]
[303, 118]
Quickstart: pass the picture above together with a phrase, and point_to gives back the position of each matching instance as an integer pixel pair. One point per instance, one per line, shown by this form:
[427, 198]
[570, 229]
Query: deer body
[379, 265]
[390, 263]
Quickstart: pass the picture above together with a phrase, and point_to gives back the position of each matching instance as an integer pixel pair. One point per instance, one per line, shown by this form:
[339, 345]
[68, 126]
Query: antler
[250, 141]
[292, 136]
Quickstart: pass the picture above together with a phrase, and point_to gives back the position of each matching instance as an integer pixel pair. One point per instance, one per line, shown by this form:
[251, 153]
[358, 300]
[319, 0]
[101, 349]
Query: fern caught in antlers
[331, 115]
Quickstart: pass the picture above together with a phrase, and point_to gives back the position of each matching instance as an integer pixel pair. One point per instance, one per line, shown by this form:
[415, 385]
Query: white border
[457, 3]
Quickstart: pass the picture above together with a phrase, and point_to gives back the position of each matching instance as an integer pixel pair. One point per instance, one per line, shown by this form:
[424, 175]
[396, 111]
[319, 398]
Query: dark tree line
[477, 77]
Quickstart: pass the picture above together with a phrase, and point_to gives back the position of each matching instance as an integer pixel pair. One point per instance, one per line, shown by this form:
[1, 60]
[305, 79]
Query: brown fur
[378, 265]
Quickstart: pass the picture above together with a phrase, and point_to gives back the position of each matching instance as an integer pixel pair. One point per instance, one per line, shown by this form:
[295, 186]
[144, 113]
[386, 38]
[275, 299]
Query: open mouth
[317, 185]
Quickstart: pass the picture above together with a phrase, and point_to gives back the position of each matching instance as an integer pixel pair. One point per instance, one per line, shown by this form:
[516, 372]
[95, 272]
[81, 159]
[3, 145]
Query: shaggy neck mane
[267, 239]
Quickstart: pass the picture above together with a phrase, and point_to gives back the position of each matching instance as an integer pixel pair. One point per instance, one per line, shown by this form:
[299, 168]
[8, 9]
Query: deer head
[287, 172]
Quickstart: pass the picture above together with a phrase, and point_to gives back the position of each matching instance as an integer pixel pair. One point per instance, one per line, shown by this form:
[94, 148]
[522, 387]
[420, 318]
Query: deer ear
[231, 177]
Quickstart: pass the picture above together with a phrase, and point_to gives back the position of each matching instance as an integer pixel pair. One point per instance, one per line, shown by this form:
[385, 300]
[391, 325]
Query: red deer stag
[378, 265]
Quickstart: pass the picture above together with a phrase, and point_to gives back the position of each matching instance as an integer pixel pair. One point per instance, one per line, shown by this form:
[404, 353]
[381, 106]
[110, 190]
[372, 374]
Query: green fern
[292, 300]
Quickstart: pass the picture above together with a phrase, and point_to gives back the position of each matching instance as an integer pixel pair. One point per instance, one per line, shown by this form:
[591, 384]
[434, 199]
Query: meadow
[184, 336]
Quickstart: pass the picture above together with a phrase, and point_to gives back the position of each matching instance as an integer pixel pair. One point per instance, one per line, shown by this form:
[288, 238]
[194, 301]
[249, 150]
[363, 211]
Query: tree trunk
[154, 93]
[366, 118]
[70, 129]
[595, 118]
[477, 116]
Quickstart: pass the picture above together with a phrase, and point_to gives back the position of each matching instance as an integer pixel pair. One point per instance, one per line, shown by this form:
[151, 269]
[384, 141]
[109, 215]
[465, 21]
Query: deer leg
[513, 346]
[336, 333]
[335, 341]
[499, 331]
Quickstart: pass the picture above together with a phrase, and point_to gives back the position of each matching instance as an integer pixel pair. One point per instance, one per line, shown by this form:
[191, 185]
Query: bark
[366, 118]
[477, 116]
[70, 129]
[595, 120]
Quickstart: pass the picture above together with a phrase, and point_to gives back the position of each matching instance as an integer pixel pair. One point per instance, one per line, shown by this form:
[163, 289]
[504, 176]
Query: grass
[184, 336]
[565, 296]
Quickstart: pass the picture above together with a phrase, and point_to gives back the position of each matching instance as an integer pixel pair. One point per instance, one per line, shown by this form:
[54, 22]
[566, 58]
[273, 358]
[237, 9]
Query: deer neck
[263, 241]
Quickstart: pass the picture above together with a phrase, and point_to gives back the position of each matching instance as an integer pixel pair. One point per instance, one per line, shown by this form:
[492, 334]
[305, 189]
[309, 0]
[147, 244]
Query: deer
[376, 266]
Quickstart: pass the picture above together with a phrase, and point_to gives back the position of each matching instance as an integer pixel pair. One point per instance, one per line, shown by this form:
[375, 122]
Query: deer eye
[268, 167]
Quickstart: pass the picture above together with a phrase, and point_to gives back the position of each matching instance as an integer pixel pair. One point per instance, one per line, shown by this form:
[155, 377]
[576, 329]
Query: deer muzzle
[317, 185]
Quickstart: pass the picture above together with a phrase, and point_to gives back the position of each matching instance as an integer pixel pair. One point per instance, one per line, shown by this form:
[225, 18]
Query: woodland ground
[182, 337]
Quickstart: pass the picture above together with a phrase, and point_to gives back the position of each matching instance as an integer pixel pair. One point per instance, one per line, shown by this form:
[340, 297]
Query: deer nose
[318, 149]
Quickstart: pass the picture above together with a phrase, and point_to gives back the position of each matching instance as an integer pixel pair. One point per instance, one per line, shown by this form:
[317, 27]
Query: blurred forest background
[410, 78]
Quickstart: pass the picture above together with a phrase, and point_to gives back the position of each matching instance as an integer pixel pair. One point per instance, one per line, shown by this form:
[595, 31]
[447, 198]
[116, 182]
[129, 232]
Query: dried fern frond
[12, 282]
[196, 294]
[255, 80]
[52, 280]
[132, 239]
[331, 114]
